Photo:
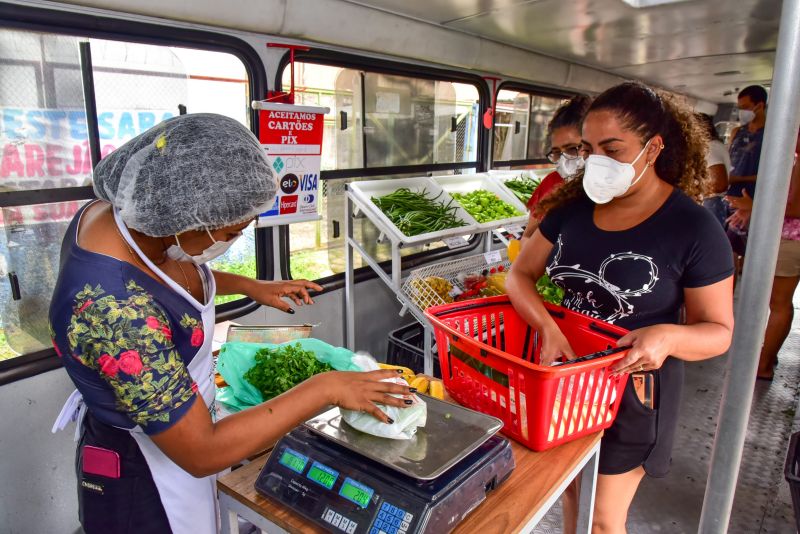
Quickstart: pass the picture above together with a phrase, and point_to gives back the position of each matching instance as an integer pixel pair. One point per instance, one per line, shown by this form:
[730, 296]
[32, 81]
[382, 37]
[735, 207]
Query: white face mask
[605, 178]
[217, 249]
[568, 167]
[746, 115]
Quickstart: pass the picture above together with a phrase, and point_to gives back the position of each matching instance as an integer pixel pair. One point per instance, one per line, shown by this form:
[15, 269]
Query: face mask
[746, 115]
[217, 249]
[568, 167]
[605, 178]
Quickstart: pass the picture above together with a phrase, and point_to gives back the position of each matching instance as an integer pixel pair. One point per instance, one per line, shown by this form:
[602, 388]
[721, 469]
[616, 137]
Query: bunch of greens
[415, 213]
[485, 206]
[279, 370]
[549, 291]
[523, 187]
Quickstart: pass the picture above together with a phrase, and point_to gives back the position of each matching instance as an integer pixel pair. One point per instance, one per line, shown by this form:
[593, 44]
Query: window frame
[45, 20]
[531, 90]
[381, 66]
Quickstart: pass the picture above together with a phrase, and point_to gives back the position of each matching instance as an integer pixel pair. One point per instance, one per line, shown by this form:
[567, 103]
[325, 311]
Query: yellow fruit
[408, 374]
[421, 383]
[514, 246]
[436, 389]
[497, 281]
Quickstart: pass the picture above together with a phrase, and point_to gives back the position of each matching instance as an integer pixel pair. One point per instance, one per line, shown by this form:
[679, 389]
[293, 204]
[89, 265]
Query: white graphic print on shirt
[597, 295]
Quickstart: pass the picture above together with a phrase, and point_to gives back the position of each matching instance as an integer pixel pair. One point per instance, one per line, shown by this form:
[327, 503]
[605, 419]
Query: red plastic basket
[489, 358]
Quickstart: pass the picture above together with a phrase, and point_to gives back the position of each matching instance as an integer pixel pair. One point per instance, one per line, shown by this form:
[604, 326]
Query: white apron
[190, 503]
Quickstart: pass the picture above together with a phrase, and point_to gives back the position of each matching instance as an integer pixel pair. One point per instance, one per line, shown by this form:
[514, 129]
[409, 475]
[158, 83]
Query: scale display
[294, 460]
[323, 475]
[356, 492]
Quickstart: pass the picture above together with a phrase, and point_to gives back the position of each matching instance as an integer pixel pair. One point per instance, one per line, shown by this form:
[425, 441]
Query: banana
[408, 374]
[436, 389]
[421, 383]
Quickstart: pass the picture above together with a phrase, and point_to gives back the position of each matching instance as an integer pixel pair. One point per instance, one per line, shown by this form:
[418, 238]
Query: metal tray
[450, 434]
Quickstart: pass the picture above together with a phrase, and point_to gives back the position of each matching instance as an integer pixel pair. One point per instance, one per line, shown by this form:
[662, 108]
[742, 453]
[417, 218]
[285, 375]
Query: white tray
[364, 191]
[465, 183]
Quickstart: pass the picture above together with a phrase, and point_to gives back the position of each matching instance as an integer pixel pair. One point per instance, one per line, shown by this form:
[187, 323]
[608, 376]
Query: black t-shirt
[635, 278]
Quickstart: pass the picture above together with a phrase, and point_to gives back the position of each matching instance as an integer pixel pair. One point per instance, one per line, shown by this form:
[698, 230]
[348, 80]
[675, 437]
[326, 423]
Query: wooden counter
[515, 506]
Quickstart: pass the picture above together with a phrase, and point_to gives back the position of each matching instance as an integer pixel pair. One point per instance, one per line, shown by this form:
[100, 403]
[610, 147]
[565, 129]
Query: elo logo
[289, 184]
[308, 199]
[288, 204]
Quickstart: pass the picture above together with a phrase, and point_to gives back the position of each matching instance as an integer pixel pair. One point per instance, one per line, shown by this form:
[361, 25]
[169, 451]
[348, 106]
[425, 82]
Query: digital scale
[347, 481]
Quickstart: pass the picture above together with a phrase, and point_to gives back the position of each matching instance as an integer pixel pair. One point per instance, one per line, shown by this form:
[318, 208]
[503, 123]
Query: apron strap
[74, 409]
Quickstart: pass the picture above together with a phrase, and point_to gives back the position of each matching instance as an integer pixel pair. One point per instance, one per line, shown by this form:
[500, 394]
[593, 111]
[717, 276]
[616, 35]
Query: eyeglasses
[571, 152]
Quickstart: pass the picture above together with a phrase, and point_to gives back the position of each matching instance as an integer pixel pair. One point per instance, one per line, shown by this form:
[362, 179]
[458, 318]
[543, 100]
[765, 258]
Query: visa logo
[308, 182]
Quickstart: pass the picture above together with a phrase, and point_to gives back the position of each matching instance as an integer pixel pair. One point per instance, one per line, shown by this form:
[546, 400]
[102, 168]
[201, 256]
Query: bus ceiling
[702, 48]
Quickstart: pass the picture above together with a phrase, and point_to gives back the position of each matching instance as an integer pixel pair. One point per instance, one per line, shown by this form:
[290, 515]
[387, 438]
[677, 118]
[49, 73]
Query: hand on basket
[650, 347]
[554, 346]
[361, 392]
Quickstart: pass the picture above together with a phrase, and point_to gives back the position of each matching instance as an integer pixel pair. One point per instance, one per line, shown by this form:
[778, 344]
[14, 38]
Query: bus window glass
[511, 125]
[542, 110]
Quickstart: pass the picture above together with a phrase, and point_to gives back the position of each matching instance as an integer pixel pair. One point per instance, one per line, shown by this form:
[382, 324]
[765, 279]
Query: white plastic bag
[406, 420]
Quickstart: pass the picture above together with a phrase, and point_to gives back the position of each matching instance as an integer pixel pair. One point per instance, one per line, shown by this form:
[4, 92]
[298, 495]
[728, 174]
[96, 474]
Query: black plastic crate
[406, 348]
[792, 472]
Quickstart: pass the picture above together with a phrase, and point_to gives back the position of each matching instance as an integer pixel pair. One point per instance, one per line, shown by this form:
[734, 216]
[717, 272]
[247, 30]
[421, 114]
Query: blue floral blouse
[124, 338]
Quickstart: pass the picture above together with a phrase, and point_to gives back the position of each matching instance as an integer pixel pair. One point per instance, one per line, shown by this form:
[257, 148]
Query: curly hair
[647, 113]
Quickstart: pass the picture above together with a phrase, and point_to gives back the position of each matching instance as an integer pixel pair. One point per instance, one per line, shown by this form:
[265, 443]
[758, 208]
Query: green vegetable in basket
[485, 206]
[523, 187]
[416, 213]
[279, 370]
[549, 291]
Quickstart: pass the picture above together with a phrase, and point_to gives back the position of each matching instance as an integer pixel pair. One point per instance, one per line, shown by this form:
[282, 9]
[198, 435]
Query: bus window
[44, 147]
[408, 121]
[520, 128]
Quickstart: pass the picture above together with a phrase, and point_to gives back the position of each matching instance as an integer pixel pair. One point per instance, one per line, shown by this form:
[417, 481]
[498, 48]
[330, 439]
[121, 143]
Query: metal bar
[397, 267]
[349, 281]
[396, 169]
[752, 310]
[587, 492]
[427, 346]
[90, 102]
[230, 509]
[29, 197]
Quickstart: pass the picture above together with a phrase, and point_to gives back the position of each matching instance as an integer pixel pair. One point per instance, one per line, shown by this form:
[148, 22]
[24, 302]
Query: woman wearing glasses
[565, 142]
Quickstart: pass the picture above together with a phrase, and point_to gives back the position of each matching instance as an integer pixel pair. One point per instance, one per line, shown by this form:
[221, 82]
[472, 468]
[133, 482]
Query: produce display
[279, 370]
[424, 384]
[523, 187]
[485, 206]
[423, 286]
[549, 291]
[416, 213]
[489, 283]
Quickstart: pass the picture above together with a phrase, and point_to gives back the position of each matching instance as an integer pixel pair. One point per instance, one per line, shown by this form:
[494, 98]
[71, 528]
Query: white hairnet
[190, 172]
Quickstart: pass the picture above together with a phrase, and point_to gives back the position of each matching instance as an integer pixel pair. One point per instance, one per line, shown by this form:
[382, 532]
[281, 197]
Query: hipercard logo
[288, 204]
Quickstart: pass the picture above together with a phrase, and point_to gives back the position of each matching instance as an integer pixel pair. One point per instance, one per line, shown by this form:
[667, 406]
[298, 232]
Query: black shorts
[641, 436]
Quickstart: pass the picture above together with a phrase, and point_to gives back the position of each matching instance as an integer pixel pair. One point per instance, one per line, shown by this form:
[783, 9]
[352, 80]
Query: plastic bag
[406, 420]
[236, 358]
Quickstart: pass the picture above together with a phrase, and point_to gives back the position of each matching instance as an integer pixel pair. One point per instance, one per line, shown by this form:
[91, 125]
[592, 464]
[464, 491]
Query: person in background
[565, 141]
[745, 152]
[132, 318]
[787, 271]
[629, 245]
[718, 162]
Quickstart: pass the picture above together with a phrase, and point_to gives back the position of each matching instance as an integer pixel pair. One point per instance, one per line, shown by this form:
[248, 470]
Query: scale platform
[343, 491]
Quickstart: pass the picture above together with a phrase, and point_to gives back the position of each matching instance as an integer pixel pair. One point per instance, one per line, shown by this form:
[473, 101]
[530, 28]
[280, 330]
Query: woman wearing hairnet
[132, 317]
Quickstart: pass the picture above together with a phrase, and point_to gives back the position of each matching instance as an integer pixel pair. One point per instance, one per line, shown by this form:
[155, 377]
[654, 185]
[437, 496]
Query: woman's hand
[650, 347]
[554, 346]
[273, 293]
[363, 391]
[740, 219]
[744, 202]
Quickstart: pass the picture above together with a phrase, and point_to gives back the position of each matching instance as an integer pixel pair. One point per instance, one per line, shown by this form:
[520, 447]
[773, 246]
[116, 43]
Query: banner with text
[292, 139]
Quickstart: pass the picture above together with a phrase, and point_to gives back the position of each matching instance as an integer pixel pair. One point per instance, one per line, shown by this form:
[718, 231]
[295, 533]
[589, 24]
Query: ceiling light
[728, 73]
[639, 4]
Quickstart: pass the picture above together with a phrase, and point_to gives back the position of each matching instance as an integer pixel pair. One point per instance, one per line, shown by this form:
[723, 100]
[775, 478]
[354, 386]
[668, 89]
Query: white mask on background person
[746, 115]
[605, 178]
[568, 167]
[217, 249]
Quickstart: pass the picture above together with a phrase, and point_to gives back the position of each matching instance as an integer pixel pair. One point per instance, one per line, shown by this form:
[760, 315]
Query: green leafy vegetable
[485, 206]
[549, 291]
[279, 370]
[416, 213]
[523, 187]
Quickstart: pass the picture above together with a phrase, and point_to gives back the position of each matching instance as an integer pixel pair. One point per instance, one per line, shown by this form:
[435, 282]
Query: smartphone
[645, 388]
[99, 461]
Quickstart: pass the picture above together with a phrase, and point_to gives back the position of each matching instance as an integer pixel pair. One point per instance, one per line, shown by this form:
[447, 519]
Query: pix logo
[278, 165]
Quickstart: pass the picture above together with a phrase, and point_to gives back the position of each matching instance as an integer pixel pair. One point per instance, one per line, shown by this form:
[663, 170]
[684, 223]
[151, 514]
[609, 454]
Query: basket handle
[597, 328]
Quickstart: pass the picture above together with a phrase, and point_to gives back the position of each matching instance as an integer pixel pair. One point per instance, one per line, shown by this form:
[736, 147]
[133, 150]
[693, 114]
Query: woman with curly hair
[629, 244]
